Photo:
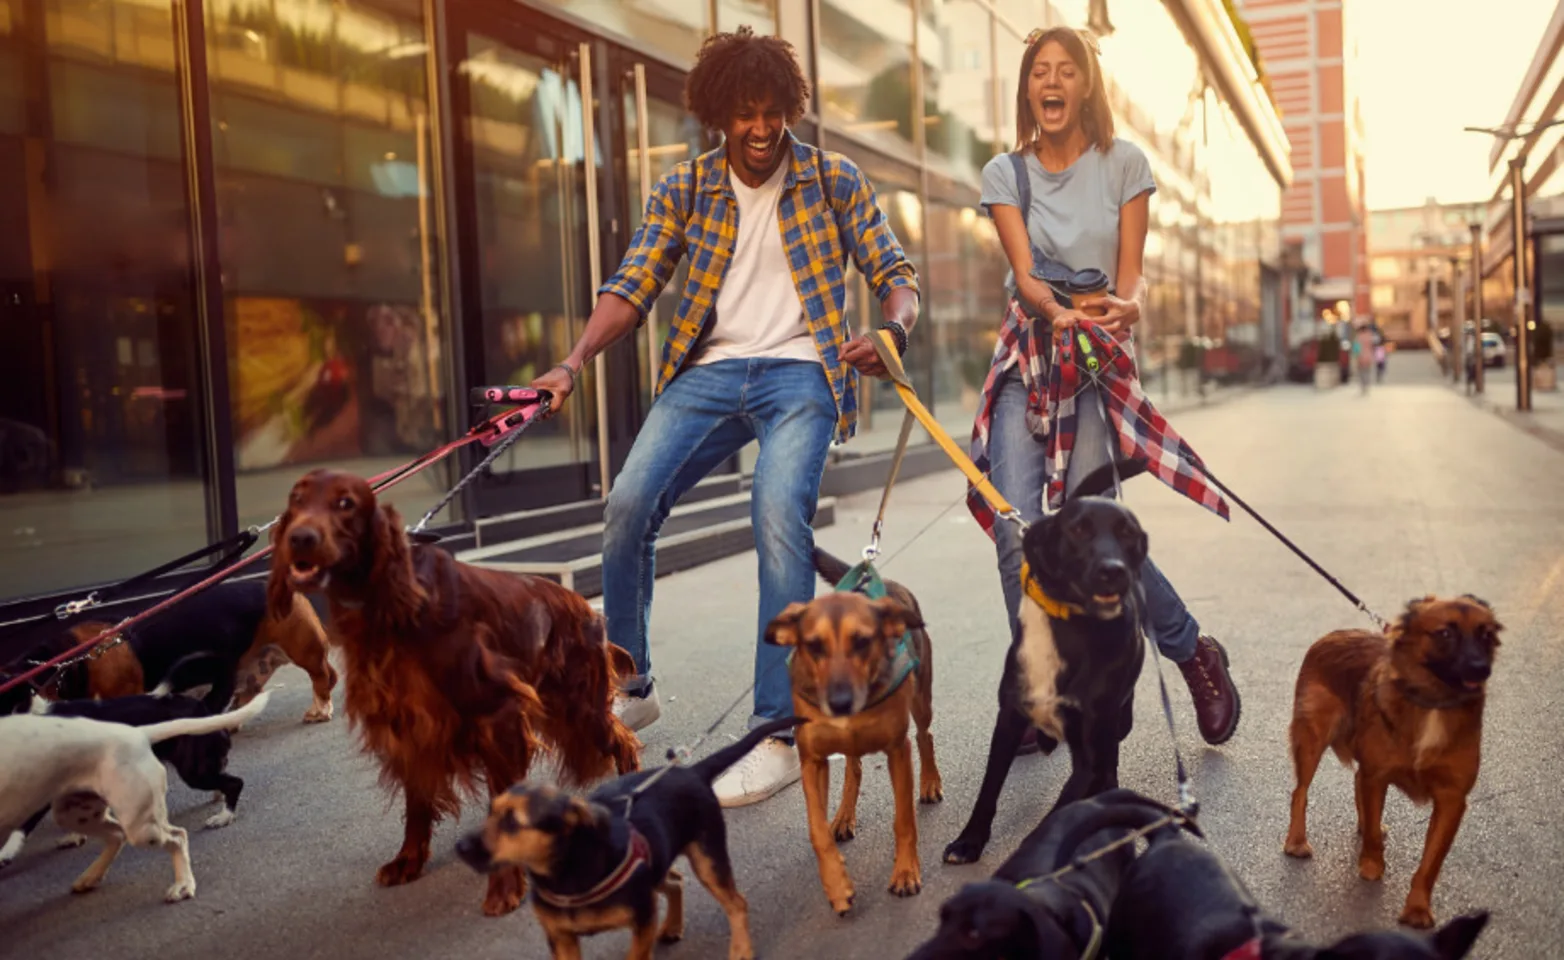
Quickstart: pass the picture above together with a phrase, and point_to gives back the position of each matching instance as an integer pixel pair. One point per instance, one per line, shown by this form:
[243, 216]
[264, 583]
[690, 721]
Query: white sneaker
[772, 765]
[638, 713]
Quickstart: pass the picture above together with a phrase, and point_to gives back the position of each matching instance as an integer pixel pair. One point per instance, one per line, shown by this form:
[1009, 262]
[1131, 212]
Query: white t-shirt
[758, 310]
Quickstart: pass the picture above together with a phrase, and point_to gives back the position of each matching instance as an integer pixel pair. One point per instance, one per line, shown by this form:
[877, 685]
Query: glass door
[526, 162]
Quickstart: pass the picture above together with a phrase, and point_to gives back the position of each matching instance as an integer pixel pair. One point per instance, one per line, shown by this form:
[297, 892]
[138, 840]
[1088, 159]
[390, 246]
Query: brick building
[1309, 53]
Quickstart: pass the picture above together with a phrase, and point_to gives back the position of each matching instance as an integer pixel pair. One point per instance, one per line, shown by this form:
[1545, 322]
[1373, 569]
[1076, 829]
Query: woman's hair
[734, 69]
[1096, 114]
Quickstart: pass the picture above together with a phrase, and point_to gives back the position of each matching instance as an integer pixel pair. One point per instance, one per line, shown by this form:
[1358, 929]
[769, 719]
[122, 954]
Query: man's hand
[559, 383]
[1120, 314]
[859, 353]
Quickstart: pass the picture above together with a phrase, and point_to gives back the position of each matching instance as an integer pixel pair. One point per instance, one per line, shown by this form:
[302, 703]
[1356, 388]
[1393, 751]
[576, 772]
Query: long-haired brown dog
[453, 671]
[843, 670]
[1407, 708]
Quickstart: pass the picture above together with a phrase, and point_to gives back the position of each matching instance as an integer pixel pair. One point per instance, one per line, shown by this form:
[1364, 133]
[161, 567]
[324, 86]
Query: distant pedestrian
[1363, 352]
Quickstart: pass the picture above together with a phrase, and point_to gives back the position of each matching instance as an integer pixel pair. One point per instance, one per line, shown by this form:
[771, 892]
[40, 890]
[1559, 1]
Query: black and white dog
[1074, 656]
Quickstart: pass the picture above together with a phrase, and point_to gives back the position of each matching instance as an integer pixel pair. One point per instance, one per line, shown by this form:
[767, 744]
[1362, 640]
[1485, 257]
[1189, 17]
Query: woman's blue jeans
[1020, 471]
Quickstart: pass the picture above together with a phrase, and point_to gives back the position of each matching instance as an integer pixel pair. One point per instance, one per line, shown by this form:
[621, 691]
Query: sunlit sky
[1423, 76]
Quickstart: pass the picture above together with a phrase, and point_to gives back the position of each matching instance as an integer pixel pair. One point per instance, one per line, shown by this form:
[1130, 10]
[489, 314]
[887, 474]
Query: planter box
[1544, 376]
[1326, 377]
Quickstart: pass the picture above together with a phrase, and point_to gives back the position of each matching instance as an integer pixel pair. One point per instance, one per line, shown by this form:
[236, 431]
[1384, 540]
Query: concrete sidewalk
[1545, 419]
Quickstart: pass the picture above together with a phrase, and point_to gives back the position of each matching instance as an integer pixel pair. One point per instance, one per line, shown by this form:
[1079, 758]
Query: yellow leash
[886, 349]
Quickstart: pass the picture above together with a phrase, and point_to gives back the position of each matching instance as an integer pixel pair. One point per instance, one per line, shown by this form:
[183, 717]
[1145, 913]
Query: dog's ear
[583, 814]
[624, 664]
[782, 631]
[398, 593]
[279, 589]
[1477, 600]
[895, 618]
[1040, 545]
[1454, 940]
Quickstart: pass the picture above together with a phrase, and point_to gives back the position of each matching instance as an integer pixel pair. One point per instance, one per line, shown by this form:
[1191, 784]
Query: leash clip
[74, 607]
[873, 549]
[1014, 516]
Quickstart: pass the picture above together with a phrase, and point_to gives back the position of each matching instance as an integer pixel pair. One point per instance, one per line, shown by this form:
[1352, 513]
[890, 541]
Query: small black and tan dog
[1178, 901]
[593, 868]
[1074, 658]
[1019, 913]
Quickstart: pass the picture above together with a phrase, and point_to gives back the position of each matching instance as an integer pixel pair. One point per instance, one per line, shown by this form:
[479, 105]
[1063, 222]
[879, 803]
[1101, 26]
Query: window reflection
[675, 29]
[337, 346]
[101, 470]
[958, 101]
[865, 70]
[761, 15]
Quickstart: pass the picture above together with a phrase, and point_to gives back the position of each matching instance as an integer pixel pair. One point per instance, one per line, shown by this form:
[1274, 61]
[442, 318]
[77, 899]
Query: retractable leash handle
[505, 394]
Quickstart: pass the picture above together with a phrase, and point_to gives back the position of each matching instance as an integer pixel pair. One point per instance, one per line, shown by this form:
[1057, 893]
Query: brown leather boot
[1216, 696]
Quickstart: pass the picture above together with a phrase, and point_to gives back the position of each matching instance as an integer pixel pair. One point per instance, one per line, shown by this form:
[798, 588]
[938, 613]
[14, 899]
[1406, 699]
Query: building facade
[1536, 114]
[1310, 55]
[1420, 256]
[254, 236]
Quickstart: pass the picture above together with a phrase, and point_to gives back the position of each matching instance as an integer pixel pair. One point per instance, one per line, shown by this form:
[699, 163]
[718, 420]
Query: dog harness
[1057, 609]
[1249, 950]
[638, 853]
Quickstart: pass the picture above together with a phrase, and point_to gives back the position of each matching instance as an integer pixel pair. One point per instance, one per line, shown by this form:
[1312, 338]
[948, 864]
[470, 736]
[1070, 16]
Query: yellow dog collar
[1057, 609]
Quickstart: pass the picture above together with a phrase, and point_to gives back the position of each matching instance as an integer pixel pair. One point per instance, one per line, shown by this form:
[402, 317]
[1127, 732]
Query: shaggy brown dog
[453, 672]
[1407, 708]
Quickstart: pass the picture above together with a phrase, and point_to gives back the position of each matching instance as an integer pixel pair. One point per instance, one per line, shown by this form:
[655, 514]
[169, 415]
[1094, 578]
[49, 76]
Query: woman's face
[1057, 89]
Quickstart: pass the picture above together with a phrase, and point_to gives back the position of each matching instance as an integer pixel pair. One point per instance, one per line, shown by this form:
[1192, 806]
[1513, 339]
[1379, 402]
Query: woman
[1088, 200]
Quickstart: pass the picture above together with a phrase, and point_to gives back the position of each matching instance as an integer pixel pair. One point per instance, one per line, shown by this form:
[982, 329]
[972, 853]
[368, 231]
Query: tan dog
[851, 686]
[1407, 709]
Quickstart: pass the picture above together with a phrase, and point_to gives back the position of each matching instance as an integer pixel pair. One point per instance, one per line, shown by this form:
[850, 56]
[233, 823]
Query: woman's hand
[1036, 293]
[1120, 314]
[1066, 319]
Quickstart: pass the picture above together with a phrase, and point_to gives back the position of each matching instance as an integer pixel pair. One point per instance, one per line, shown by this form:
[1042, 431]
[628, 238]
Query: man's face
[755, 140]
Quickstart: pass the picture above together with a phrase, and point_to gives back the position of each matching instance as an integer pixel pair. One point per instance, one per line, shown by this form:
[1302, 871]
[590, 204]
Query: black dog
[1074, 658]
[1062, 917]
[1177, 901]
[200, 760]
[595, 868]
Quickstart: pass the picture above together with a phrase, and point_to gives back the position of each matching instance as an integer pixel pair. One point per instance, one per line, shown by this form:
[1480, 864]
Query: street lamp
[1518, 225]
[1476, 226]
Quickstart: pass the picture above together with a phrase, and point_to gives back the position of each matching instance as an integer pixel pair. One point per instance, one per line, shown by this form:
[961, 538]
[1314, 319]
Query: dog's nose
[1112, 577]
[303, 538]
[1476, 670]
[839, 697]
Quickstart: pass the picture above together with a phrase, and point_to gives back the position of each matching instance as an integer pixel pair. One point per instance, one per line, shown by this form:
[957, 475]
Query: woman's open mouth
[1053, 110]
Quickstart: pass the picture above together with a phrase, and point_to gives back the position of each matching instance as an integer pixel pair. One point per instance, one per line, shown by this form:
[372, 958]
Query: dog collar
[638, 853]
[898, 670]
[1249, 950]
[1057, 609]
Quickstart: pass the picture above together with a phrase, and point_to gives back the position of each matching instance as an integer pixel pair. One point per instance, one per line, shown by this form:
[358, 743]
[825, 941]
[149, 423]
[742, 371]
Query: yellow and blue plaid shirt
[827, 212]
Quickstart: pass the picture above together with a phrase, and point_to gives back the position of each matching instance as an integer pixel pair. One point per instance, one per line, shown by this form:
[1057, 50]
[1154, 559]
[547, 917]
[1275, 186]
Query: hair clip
[1034, 36]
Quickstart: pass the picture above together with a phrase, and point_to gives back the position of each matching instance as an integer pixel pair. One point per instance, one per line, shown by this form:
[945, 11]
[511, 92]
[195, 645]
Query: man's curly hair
[735, 69]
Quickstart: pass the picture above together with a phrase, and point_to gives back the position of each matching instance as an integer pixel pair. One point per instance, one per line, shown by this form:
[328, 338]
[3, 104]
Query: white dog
[104, 781]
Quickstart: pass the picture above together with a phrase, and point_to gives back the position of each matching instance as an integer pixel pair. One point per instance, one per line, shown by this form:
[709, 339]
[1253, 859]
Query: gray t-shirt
[1075, 213]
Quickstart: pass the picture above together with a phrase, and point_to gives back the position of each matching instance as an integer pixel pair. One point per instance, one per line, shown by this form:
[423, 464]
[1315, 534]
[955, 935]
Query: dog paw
[399, 871]
[1299, 848]
[844, 828]
[670, 936]
[69, 840]
[1370, 868]
[906, 882]
[842, 904]
[221, 818]
[1418, 917]
[180, 891]
[964, 850]
[506, 890]
[931, 792]
[319, 713]
[85, 884]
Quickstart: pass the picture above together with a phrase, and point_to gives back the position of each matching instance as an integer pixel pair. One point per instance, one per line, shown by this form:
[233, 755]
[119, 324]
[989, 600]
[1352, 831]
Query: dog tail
[831, 569]
[170, 680]
[709, 768]
[158, 732]
[1134, 812]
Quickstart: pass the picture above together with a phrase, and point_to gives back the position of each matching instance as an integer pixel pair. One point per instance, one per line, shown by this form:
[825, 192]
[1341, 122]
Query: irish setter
[455, 674]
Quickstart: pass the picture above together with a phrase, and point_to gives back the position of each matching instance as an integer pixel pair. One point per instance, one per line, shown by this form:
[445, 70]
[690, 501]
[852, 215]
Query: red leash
[489, 432]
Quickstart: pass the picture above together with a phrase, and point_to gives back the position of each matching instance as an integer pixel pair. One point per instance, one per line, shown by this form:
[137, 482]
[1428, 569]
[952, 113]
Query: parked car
[1494, 351]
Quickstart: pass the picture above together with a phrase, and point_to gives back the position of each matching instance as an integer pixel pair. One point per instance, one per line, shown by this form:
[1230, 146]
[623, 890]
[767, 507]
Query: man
[759, 349]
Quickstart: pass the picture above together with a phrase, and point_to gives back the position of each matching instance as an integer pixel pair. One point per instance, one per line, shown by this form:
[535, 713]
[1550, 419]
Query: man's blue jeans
[705, 415]
[1019, 472]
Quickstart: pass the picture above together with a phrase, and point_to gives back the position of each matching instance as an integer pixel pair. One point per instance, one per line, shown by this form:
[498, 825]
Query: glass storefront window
[865, 71]
[675, 29]
[958, 101]
[102, 469]
[338, 346]
[761, 15]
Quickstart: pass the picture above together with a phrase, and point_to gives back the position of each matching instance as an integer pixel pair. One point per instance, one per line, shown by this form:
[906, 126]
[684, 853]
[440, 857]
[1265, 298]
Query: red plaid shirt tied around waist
[1052, 390]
